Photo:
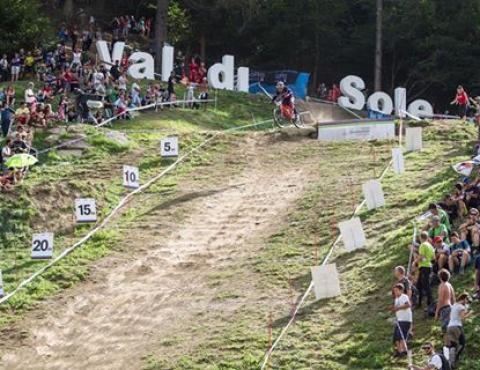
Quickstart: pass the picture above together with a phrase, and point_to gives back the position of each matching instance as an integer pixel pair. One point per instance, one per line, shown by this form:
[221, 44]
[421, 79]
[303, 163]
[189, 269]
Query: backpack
[445, 363]
[408, 285]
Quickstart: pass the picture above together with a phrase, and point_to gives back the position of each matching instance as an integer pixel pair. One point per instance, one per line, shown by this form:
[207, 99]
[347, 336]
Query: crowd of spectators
[448, 245]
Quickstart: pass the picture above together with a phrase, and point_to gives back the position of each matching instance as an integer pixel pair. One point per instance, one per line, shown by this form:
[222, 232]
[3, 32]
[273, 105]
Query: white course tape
[310, 287]
[122, 202]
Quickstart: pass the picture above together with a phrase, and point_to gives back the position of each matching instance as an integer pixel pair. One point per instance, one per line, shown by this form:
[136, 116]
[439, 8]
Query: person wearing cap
[442, 251]
[435, 210]
[435, 360]
[426, 253]
[455, 338]
[469, 229]
[446, 298]
[459, 254]
[438, 229]
[402, 308]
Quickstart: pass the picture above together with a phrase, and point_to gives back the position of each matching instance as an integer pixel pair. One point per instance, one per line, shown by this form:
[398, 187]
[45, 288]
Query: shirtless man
[446, 299]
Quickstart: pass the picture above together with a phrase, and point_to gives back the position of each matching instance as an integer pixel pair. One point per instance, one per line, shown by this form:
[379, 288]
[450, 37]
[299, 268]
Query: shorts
[401, 331]
[444, 314]
[455, 334]
[15, 70]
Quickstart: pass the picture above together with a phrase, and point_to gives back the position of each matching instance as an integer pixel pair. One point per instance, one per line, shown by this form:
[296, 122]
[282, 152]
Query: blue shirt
[463, 245]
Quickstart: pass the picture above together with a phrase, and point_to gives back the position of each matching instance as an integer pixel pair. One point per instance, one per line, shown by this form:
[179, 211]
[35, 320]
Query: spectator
[469, 229]
[455, 339]
[22, 114]
[77, 58]
[204, 92]
[459, 254]
[19, 145]
[7, 181]
[10, 96]
[403, 312]
[436, 361]
[15, 65]
[424, 259]
[461, 100]
[446, 298]
[4, 68]
[399, 273]
[6, 153]
[438, 229]
[477, 278]
[30, 96]
[442, 251]
[171, 86]
[435, 210]
[6, 115]
[29, 64]
[193, 69]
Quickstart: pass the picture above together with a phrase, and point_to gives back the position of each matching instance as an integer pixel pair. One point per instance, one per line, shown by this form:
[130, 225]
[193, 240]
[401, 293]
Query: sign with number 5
[42, 246]
[169, 147]
[85, 210]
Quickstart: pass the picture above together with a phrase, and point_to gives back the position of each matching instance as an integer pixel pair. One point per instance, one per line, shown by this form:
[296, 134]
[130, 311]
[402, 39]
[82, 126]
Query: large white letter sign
[400, 97]
[104, 53]
[352, 234]
[420, 108]
[221, 75]
[325, 281]
[42, 246]
[85, 210]
[2, 293]
[351, 87]
[376, 98]
[398, 162]
[243, 79]
[167, 62]
[142, 66]
[373, 193]
[413, 136]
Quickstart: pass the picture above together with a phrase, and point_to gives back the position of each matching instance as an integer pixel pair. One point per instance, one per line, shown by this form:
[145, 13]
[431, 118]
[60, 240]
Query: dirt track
[160, 286]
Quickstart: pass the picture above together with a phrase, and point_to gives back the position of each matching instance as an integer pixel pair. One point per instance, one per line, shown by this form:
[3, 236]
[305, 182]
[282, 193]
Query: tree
[161, 18]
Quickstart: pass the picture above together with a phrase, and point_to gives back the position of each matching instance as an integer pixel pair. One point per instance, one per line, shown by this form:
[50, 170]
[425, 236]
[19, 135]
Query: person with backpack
[408, 288]
[436, 361]
[455, 339]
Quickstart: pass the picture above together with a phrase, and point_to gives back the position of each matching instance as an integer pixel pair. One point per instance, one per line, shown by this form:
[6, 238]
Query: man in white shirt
[403, 311]
[435, 360]
[455, 338]
[29, 94]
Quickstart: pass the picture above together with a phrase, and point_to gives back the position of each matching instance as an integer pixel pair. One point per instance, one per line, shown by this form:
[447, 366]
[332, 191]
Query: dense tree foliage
[428, 45]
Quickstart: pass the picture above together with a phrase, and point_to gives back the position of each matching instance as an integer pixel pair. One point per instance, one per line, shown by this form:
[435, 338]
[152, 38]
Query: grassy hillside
[353, 331]
[44, 201]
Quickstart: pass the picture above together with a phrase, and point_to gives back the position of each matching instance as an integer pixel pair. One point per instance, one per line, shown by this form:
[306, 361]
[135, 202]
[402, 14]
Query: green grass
[352, 331]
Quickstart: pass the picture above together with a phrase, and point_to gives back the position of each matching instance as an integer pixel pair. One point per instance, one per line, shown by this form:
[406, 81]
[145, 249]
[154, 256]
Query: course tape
[119, 206]
[310, 287]
[107, 121]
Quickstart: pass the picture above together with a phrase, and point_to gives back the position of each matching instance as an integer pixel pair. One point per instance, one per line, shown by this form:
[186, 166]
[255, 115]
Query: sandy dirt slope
[159, 286]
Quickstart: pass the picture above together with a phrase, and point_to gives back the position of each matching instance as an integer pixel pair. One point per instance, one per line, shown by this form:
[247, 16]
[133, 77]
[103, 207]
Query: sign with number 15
[85, 210]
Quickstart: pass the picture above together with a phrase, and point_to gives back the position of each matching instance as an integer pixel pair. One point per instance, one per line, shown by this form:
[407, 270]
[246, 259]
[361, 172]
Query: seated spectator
[7, 181]
[435, 360]
[22, 114]
[438, 229]
[446, 298]
[19, 145]
[10, 96]
[442, 252]
[30, 96]
[459, 253]
[435, 210]
[403, 313]
[469, 229]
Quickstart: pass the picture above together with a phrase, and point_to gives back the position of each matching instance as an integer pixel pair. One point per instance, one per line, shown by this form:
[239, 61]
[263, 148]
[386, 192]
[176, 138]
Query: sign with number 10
[42, 246]
[131, 177]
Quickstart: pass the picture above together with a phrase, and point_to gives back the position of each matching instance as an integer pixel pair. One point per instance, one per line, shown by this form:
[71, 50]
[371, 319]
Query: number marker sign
[413, 136]
[85, 210]
[398, 162]
[352, 234]
[373, 193]
[1, 285]
[325, 281]
[42, 246]
[131, 178]
[169, 147]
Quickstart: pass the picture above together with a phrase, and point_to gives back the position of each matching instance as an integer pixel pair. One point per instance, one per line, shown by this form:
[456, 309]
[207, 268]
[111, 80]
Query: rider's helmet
[280, 85]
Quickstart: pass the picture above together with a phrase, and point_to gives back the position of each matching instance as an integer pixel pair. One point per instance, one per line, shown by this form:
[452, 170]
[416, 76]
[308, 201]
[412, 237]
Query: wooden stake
[270, 336]
[291, 297]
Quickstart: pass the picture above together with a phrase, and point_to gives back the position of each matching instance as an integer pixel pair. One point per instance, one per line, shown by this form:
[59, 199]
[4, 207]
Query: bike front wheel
[279, 119]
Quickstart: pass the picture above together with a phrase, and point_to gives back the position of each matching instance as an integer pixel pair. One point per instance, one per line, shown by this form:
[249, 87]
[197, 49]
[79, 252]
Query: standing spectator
[76, 58]
[204, 92]
[15, 66]
[202, 72]
[403, 312]
[171, 86]
[4, 67]
[6, 153]
[399, 273]
[6, 115]
[461, 100]
[459, 254]
[436, 361]
[446, 298]
[425, 256]
[455, 340]
[193, 69]
[29, 63]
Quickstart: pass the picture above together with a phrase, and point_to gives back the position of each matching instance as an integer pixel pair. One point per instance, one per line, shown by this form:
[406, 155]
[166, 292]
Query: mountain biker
[286, 95]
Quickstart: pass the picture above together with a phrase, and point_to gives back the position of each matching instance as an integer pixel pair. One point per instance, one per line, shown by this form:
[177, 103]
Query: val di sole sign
[142, 66]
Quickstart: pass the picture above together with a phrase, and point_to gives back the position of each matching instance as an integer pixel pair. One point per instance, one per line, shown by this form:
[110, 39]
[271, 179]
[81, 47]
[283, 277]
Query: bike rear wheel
[297, 121]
